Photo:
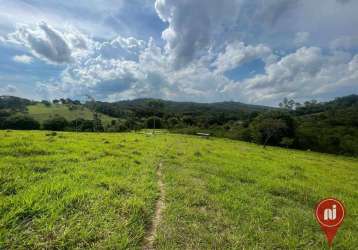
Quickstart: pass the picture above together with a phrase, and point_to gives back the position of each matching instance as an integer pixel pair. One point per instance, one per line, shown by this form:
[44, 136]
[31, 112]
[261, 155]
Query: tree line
[330, 127]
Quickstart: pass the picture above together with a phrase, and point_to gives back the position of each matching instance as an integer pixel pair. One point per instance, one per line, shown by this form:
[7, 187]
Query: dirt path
[159, 207]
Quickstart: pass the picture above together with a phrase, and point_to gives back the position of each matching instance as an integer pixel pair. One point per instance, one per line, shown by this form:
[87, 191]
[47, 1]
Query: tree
[311, 103]
[288, 104]
[120, 126]
[172, 122]
[97, 122]
[81, 124]
[21, 122]
[46, 103]
[188, 120]
[271, 127]
[154, 122]
[58, 123]
[155, 105]
[14, 104]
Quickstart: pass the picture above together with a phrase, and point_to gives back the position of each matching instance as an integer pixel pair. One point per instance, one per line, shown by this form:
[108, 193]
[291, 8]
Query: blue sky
[253, 51]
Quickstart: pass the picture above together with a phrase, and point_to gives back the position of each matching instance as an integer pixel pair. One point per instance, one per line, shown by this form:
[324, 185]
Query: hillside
[147, 107]
[101, 191]
[42, 112]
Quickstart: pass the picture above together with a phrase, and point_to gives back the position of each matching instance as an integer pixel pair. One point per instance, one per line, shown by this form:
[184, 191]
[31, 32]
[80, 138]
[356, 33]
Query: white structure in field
[330, 214]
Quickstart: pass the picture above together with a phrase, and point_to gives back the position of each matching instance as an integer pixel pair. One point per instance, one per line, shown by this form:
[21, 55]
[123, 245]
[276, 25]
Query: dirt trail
[159, 207]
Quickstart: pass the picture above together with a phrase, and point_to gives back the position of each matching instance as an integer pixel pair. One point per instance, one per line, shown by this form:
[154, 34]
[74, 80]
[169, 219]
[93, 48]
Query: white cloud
[88, 16]
[110, 77]
[203, 40]
[193, 25]
[149, 76]
[49, 44]
[190, 33]
[305, 73]
[238, 53]
[22, 59]
[308, 72]
[121, 47]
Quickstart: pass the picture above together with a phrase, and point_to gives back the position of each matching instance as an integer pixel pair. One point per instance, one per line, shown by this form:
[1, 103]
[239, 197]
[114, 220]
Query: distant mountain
[146, 107]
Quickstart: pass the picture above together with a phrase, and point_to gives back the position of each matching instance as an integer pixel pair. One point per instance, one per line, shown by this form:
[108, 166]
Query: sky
[252, 51]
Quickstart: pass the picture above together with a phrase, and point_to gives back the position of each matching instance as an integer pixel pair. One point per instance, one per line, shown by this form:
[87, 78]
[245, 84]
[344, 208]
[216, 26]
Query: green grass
[41, 112]
[99, 191]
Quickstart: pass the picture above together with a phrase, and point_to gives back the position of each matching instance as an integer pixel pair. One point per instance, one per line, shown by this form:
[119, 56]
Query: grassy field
[99, 191]
[41, 112]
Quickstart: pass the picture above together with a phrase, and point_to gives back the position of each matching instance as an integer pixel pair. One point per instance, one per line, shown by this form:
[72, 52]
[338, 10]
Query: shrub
[21, 122]
[57, 123]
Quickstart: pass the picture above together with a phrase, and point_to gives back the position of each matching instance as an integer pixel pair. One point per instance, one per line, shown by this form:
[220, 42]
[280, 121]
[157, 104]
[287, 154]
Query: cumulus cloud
[49, 44]
[238, 53]
[149, 76]
[111, 78]
[306, 72]
[203, 40]
[121, 47]
[309, 71]
[192, 25]
[196, 26]
[22, 59]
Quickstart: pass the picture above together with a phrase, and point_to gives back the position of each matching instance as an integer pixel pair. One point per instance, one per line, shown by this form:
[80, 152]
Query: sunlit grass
[41, 112]
[75, 190]
[87, 190]
[223, 194]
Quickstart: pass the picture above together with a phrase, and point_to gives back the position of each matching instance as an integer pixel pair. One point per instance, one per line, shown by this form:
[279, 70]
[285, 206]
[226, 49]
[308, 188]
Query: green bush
[20, 122]
[57, 123]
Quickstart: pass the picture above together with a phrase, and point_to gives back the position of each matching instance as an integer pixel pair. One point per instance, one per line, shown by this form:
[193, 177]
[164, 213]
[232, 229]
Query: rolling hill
[42, 112]
[147, 107]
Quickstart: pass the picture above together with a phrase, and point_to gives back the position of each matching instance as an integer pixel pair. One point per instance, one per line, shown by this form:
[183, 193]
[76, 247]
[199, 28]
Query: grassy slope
[75, 190]
[41, 113]
[99, 190]
[231, 195]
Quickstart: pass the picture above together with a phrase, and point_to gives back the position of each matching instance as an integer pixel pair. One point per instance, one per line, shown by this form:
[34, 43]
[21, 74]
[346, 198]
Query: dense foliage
[20, 122]
[330, 127]
[326, 127]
